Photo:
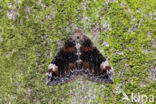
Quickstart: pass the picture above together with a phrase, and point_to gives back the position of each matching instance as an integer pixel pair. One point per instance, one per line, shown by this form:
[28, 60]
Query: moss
[123, 30]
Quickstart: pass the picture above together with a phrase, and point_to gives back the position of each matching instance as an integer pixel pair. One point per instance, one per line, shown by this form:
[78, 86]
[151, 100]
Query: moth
[78, 56]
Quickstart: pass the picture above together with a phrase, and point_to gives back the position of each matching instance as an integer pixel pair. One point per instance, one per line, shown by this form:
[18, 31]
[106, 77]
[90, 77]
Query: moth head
[78, 36]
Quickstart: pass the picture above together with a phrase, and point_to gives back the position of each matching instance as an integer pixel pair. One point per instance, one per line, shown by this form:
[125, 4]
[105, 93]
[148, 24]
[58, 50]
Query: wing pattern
[78, 56]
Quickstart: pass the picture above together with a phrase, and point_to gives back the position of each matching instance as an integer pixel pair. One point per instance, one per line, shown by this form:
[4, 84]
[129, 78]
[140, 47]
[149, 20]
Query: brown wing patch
[69, 49]
[67, 71]
[86, 48]
[72, 66]
[85, 65]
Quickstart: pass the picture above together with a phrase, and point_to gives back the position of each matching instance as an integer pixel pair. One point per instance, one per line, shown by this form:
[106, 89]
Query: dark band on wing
[78, 56]
[69, 46]
[94, 65]
[86, 45]
[65, 63]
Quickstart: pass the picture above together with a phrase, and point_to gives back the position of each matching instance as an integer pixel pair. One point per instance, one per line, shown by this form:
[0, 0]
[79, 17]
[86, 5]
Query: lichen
[123, 30]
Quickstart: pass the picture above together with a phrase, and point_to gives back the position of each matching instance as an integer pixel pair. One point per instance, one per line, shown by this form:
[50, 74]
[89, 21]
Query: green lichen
[123, 30]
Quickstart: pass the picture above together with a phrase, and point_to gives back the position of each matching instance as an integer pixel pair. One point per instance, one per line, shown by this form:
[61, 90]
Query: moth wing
[94, 66]
[63, 67]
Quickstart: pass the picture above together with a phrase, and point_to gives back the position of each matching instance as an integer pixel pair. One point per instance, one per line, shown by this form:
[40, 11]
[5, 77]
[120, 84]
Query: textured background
[31, 32]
